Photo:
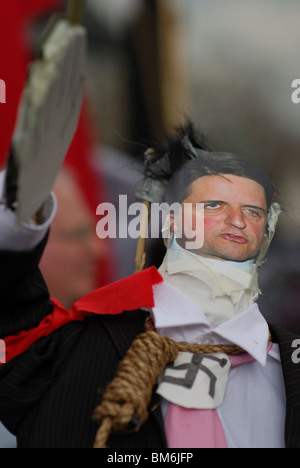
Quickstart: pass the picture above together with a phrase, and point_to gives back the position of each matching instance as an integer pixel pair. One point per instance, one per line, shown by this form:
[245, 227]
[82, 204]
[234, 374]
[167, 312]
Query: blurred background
[226, 65]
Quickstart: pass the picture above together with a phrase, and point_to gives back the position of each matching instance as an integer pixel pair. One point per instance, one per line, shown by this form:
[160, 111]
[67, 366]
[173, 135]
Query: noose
[127, 397]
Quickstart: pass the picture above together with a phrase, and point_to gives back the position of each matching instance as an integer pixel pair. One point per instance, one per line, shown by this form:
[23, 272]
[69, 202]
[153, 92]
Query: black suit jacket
[47, 395]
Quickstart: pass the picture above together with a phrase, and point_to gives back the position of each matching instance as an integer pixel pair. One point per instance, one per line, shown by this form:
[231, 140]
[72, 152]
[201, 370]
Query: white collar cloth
[221, 289]
[178, 317]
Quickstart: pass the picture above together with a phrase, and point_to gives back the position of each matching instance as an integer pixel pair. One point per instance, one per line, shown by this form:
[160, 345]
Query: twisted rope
[127, 397]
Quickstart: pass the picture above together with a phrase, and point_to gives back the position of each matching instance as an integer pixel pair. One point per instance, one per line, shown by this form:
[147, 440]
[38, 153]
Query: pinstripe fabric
[291, 374]
[47, 395]
[24, 295]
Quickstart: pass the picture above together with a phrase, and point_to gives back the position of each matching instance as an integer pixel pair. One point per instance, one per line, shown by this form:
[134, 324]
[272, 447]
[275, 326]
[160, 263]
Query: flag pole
[75, 11]
[140, 258]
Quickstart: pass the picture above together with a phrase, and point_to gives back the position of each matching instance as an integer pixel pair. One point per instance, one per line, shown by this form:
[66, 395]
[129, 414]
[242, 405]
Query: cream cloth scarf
[221, 289]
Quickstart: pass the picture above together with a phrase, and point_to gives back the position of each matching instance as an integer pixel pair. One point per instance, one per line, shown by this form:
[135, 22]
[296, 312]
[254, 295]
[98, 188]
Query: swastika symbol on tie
[192, 369]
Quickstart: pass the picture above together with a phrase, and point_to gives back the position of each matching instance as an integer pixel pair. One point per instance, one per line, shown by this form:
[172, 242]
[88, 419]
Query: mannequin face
[235, 215]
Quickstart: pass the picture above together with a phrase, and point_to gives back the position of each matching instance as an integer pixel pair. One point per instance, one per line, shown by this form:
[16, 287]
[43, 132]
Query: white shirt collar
[178, 317]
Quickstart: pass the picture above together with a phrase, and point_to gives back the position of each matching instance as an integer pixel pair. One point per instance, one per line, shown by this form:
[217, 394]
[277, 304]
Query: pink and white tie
[198, 428]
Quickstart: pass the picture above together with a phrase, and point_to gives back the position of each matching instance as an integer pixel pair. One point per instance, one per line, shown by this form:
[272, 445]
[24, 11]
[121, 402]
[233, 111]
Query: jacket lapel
[124, 328]
[291, 374]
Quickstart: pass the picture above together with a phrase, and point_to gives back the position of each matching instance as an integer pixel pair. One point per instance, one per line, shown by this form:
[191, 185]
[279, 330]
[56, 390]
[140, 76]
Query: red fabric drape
[130, 293]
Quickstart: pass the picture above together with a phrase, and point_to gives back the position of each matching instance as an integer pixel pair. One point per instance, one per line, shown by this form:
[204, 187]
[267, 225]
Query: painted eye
[212, 205]
[253, 213]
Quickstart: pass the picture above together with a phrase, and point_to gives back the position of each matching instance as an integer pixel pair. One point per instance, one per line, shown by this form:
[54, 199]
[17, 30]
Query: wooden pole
[167, 48]
[75, 11]
[140, 258]
[172, 65]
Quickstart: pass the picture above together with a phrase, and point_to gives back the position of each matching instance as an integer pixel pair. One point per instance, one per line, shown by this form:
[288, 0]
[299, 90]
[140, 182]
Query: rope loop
[124, 407]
